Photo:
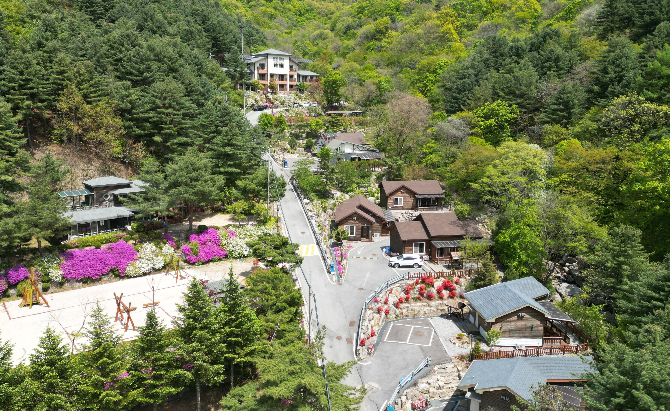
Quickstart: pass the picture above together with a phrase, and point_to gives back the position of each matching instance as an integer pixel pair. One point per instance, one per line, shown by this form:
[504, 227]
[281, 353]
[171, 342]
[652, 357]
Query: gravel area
[447, 330]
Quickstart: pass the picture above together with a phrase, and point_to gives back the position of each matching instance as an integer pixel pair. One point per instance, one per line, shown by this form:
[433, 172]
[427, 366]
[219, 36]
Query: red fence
[442, 274]
[533, 352]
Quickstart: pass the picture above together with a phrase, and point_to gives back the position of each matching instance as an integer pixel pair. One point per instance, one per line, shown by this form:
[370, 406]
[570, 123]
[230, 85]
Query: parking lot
[414, 333]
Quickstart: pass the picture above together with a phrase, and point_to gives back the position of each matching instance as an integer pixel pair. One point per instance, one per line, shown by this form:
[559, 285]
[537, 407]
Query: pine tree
[154, 369]
[103, 364]
[51, 374]
[199, 340]
[240, 328]
[43, 212]
[486, 274]
[8, 387]
[154, 199]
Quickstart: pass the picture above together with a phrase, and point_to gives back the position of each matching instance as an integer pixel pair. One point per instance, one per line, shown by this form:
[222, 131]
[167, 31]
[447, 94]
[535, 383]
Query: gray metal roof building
[98, 214]
[521, 374]
[106, 182]
[503, 298]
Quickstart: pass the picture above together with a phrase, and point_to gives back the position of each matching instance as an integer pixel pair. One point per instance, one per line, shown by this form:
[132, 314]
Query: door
[365, 232]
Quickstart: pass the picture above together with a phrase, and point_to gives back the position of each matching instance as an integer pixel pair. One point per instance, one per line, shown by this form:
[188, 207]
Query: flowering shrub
[431, 295]
[416, 281]
[376, 300]
[419, 297]
[386, 300]
[372, 332]
[149, 259]
[457, 280]
[387, 311]
[170, 240]
[3, 284]
[379, 309]
[93, 263]
[204, 247]
[452, 294]
[49, 265]
[440, 288]
[234, 241]
[401, 300]
[363, 341]
[442, 295]
[17, 274]
[397, 304]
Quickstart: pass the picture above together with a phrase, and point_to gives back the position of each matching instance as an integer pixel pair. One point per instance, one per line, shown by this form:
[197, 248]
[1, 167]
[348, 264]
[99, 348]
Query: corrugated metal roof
[445, 244]
[307, 73]
[496, 300]
[106, 181]
[75, 193]
[97, 214]
[302, 60]
[521, 374]
[272, 51]
[128, 190]
[554, 312]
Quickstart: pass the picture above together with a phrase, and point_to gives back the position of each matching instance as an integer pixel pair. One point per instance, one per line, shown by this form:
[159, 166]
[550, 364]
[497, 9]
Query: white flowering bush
[234, 239]
[49, 265]
[149, 259]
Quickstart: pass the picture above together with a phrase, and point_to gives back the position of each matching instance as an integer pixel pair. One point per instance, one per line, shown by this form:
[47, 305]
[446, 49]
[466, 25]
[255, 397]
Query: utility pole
[309, 312]
[242, 31]
[244, 86]
[269, 165]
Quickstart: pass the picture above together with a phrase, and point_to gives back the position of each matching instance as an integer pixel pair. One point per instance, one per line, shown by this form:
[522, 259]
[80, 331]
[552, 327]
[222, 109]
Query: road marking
[366, 258]
[307, 250]
[366, 278]
[410, 335]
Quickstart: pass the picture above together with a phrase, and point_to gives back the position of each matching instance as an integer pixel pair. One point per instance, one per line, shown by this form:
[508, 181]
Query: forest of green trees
[547, 118]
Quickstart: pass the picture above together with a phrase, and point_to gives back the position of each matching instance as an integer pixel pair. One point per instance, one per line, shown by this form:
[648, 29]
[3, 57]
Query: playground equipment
[122, 308]
[32, 293]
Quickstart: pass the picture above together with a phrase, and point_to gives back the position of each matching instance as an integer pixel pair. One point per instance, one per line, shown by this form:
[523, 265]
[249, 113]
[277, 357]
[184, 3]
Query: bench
[147, 305]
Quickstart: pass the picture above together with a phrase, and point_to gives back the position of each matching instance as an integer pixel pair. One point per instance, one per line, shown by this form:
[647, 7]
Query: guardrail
[406, 380]
[386, 284]
[317, 238]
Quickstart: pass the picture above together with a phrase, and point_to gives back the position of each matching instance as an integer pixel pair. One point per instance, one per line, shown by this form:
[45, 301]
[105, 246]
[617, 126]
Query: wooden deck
[533, 352]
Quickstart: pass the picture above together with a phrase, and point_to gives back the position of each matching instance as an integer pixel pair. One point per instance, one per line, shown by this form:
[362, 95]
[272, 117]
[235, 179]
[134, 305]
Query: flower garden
[411, 298]
[119, 258]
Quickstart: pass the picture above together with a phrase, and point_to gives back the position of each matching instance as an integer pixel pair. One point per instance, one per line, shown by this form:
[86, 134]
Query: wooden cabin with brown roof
[362, 219]
[437, 235]
[411, 195]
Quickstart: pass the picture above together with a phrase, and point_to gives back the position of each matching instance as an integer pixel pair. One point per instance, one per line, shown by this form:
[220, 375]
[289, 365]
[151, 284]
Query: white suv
[406, 260]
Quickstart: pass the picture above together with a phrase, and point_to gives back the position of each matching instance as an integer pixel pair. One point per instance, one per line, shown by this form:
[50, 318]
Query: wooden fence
[533, 352]
[442, 274]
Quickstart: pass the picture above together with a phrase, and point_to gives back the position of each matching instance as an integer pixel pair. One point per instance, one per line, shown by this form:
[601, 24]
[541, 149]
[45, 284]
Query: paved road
[339, 310]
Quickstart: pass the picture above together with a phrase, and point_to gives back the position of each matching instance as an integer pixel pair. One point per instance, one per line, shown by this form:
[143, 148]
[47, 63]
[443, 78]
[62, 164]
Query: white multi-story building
[284, 69]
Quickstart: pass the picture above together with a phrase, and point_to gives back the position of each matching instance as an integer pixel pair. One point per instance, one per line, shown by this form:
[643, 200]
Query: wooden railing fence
[533, 352]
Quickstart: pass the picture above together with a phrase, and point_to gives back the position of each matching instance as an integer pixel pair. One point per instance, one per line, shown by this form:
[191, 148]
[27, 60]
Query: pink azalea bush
[93, 263]
[17, 274]
[3, 284]
[204, 247]
[170, 240]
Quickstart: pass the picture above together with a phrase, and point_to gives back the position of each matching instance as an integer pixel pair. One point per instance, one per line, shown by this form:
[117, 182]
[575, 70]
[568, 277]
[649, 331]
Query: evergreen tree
[486, 274]
[189, 179]
[199, 338]
[9, 387]
[43, 212]
[13, 162]
[154, 368]
[154, 200]
[240, 328]
[102, 364]
[616, 72]
[52, 375]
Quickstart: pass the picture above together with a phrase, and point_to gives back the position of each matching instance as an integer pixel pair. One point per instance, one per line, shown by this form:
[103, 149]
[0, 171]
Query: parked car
[259, 108]
[406, 260]
[314, 104]
[296, 105]
[305, 105]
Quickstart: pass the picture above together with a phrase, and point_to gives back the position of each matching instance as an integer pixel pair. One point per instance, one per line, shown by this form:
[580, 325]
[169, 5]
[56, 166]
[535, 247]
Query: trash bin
[332, 268]
[387, 249]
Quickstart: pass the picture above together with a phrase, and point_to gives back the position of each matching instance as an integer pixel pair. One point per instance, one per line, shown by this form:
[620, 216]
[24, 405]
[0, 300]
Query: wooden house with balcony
[497, 385]
[362, 219]
[436, 235]
[411, 195]
[286, 70]
[520, 311]
[98, 208]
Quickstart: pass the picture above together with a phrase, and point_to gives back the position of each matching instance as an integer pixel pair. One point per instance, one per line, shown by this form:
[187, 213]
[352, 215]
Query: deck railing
[533, 352]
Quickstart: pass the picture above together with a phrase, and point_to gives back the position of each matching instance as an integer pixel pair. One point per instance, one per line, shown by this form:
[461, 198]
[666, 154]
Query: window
[261, 66]
[439, 253]
[262, 76]
[419, 248]
[397, 201]
[351, 229]
[278, 62]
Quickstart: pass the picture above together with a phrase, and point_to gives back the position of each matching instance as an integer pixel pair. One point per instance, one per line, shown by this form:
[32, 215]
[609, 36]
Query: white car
[406, 260]
[305, 105]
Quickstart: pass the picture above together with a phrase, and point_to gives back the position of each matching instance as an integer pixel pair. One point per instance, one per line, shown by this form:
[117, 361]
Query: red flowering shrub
[387, 311]
[439, 288]
[401, 300]
[458, 280]
[422, 288]
[419, 297]
[452, 288]
[372, 333]
[386, 300]
[424, 278]
[408, 288]
[431, 295]
[376, 300]
[416, 281]
[452, 294]
[430, 281]
[363, 342]
[442, 295]
[446, 284]
[379, 309]
[397, 304]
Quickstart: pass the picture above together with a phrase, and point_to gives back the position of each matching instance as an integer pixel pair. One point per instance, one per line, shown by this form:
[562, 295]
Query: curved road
[339, 306]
